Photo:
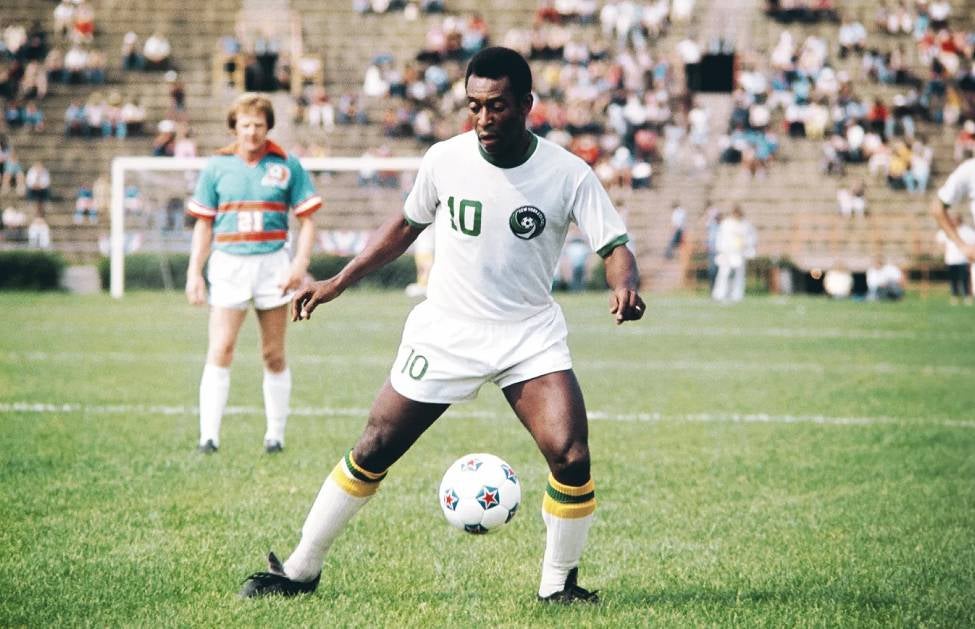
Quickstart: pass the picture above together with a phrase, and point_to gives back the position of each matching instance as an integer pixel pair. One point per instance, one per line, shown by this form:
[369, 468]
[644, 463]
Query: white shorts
[444, 359]
[236, 281]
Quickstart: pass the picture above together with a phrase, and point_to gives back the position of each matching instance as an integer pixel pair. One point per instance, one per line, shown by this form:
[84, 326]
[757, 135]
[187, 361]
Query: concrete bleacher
[794, 208]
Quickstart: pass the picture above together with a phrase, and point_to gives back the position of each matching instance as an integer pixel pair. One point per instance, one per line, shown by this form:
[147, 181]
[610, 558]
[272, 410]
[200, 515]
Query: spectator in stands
[852, 36]
[156, 52]
[164, 144]
[965, 141]
[958, 264]
[678, 217]
[64, 18]
[75, 65]
[38, 182]
[132, 58]
[14, 37]
[919, 170]
[95, 67]
[320, 111]
[76, 119]
[33, 117]
[184, 145]
[851, 200]
[84, 206]
[83, 30]
[14, 223]
[885, 281]
[838, 281]
[54, 66]
[177, 94]
[13, 176]
[33, 84]
[432, 6]
[348, 111]
[39, 233]
[133, 117]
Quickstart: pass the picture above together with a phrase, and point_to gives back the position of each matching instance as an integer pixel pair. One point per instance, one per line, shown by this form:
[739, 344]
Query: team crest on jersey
[527, 222]
[276, 176]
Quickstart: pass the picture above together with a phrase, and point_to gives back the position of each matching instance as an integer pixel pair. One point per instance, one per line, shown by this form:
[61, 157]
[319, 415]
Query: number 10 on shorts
[415, 365]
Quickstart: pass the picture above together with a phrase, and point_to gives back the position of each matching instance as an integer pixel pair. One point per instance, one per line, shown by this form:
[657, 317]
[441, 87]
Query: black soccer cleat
[275, 583]
[571, 593]
[272, 446]
[207, 448]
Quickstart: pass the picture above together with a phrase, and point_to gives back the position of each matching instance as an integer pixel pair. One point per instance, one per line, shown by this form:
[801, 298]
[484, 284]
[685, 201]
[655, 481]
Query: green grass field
[778, 463]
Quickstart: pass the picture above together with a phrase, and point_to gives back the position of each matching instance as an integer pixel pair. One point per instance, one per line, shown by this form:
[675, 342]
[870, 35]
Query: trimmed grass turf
[777, 463]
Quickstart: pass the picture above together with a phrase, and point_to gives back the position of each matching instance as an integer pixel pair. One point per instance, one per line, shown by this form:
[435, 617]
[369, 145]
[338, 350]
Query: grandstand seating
[793, 208]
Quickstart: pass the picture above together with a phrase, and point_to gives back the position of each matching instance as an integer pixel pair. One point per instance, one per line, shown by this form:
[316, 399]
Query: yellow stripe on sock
[568, 511]
[569, 490]
[352, 486]
[365, 472]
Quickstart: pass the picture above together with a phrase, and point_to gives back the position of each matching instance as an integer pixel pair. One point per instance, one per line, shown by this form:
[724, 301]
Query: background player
[241, 204]
[501, 201]
[960, 186]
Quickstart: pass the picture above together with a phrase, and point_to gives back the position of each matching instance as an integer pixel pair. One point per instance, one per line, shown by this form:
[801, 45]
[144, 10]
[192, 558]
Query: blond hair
[251, 103]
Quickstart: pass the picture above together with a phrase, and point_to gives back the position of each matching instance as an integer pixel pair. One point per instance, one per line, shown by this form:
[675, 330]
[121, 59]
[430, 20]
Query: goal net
[149, 197]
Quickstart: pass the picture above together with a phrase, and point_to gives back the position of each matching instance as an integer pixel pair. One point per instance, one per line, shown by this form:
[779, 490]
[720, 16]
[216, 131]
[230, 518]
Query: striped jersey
[249, 204]
[500, 230]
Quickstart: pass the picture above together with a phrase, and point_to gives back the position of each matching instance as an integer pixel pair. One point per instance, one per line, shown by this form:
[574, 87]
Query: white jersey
[499, 231]
[960, 186]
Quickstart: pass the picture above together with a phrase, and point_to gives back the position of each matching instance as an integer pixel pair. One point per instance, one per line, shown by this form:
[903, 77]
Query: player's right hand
[196, 290]
[307, 299]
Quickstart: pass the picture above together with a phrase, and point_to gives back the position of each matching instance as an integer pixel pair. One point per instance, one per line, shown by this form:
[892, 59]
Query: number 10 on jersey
[466, 218]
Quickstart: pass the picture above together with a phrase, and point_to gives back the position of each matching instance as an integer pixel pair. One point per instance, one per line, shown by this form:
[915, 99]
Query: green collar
[514, 162]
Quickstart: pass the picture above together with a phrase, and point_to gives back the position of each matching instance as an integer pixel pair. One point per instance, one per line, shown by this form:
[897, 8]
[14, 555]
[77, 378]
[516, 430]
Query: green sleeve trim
[414, 223]
[616, 242]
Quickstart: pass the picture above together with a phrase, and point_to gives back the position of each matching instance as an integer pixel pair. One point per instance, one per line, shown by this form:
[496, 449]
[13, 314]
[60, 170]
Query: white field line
[600, 416]
[649, 328]
[720, 366]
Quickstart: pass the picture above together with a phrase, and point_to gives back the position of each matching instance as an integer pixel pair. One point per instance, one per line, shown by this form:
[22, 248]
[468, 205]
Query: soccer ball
[479, 493]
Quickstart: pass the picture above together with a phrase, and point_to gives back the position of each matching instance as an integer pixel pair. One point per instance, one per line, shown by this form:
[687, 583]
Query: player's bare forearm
[940, 212]
[199, 251]
[386, 244]
[306, 240]
[299, 264]
[624, 283]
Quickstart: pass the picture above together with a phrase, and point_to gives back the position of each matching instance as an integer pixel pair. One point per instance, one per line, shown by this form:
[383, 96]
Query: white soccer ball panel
[493, 518]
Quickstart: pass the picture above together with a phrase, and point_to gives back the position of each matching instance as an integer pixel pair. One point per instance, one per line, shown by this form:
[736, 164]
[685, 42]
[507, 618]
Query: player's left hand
[626, 304]
[295, 279]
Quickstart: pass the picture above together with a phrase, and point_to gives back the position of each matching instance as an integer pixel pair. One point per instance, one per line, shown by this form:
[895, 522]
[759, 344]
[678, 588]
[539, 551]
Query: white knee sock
[214, 388]
[344, 492]
[277, 399]
[568, 514]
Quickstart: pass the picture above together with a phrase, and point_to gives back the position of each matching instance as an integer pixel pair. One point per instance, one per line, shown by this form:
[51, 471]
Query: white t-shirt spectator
[156, 48]
[689, 51]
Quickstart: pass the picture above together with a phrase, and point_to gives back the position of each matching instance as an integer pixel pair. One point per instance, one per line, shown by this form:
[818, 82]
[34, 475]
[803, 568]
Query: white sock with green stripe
[568, 513]
[344, 492]
[214, 389]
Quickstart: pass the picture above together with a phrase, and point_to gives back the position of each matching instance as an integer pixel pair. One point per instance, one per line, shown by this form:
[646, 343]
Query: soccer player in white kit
[960, 186]
[501, 201]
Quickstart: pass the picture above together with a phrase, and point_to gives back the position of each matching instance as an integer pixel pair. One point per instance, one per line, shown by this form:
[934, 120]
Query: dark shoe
[571, 593]
[275, 583]
[273, 447]
[207, 448]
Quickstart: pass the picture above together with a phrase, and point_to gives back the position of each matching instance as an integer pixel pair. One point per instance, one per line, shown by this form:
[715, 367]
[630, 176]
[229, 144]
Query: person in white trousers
[735, 245]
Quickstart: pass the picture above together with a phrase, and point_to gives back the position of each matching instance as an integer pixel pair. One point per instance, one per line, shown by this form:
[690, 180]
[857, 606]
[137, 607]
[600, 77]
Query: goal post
[354, 190]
